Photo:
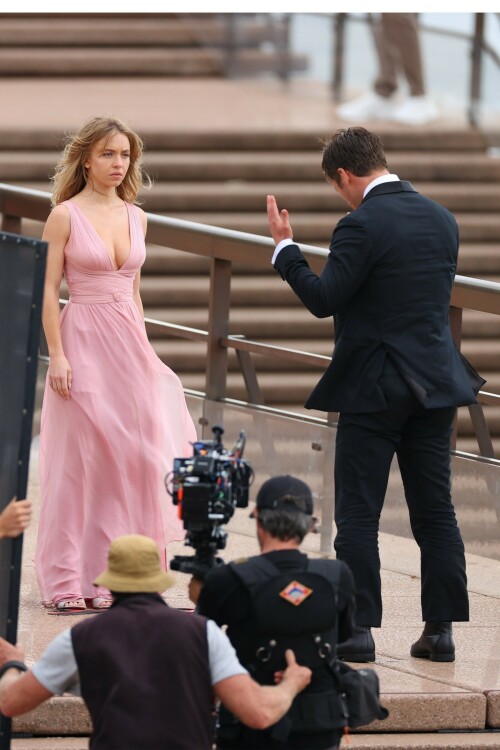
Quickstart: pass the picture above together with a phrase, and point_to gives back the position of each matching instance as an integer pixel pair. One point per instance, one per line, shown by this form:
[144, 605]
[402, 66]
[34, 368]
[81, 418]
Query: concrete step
[190, 356]
[193, 291]
[292, 386]
[478, 260]
[420, 140]
[50, 743]
[477, 325]
[426, 741]
[483, 353]
[295, 322]
[410, 709]
[138, 30]
[242, 196]
[316, 228]
[266, 291]
[480, 740]
[302, 166]
[148, 61]
[173, 166]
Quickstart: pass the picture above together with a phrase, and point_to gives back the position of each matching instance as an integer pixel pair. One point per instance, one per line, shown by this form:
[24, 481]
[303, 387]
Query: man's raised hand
[279, 222]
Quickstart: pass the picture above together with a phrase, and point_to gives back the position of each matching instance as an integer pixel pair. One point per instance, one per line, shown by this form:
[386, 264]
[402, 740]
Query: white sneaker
[369, 106]
[416, 110]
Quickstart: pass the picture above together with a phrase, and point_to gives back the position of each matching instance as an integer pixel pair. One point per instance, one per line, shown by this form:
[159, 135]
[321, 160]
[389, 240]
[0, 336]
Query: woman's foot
[99, 602]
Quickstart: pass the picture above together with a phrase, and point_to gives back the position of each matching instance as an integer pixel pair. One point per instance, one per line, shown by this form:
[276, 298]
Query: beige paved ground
[421, 696]
[169, 104]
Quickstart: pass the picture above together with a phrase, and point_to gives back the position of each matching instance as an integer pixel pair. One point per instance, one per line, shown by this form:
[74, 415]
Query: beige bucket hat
[134, 567]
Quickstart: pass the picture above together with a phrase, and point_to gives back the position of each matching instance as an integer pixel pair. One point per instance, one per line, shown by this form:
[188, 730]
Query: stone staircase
[145, 44]
[222, 180]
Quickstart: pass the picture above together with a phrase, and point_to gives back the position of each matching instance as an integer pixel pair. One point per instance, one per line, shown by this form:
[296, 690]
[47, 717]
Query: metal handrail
[225, 246]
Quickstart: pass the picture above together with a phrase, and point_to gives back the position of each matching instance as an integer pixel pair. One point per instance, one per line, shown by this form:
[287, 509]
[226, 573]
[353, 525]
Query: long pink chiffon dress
[104, 453]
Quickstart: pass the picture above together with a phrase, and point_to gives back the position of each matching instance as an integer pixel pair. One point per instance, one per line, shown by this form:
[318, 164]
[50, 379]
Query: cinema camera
[206, 489]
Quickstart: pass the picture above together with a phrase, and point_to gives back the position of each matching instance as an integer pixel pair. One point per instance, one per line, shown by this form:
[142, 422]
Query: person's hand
[60, 375]
[15, 517]
[9, 652]
[295, 674]
[194, 588]
[279, 223]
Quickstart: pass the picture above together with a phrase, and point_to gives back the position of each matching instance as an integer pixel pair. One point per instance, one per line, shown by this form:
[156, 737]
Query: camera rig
[207, 488]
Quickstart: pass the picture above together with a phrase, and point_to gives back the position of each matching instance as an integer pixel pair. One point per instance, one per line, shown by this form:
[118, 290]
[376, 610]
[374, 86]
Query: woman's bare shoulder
[59, 212]
[58, 221]
[143, 217]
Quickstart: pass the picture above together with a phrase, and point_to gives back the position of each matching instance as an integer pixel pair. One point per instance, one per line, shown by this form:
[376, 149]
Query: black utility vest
[298, 610]
[145, 676]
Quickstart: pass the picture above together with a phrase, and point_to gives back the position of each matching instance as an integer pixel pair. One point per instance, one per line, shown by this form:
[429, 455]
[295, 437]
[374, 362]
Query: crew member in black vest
[147, 672]
[281, 599]
[396, 377]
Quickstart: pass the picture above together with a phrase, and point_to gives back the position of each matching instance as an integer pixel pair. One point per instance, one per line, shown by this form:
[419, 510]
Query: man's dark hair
[354, 149]
[284, 524]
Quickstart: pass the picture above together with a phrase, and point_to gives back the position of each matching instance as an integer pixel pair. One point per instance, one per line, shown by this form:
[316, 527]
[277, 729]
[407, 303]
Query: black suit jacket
[388, 282]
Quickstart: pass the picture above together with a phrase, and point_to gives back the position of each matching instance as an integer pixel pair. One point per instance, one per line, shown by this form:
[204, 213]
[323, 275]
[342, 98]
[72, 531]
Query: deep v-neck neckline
[108, 252]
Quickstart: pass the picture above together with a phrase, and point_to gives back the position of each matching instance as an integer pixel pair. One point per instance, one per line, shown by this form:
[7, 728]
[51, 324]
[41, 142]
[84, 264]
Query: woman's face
[109, 161]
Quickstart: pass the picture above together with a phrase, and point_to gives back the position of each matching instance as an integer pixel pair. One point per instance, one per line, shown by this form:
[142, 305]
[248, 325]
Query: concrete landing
[422, 697]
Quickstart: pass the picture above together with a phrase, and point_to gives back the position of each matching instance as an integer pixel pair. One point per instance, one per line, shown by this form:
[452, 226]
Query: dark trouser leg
[365, 446]
[424, 461]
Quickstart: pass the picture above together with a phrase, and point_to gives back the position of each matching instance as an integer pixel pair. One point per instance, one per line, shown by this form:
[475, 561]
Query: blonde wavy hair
[70, 176]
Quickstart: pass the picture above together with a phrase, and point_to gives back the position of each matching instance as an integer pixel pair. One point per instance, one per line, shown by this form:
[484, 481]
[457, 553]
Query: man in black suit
[396, 378]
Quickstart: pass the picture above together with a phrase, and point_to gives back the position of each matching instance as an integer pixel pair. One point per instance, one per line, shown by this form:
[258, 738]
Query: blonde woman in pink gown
[114, 416]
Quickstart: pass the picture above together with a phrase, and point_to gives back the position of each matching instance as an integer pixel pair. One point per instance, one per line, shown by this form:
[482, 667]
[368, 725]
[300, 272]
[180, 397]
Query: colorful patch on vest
[296, 593]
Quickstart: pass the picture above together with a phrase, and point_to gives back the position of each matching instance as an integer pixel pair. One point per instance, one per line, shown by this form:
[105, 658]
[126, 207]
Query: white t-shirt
[57, 669]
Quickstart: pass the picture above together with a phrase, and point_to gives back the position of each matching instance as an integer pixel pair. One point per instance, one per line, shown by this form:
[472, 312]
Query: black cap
[285, 493]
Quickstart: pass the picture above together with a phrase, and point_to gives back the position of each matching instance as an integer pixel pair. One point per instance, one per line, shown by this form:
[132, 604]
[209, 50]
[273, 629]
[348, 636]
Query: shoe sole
[72, 612]
[434, 657]
[359, 658]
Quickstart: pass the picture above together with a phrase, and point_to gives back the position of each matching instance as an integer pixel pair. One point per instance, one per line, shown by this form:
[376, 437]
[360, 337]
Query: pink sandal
[71, 605]
[99, 602]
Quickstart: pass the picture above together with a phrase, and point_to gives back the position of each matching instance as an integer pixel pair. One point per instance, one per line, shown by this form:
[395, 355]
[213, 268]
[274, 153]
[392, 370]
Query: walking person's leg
[399, 50]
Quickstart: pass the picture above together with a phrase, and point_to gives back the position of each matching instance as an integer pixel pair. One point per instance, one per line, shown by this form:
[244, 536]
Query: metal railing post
[218, 328]
[339, 20]
[283, 47]
[231, 44]
[11, 224]
[476, 63]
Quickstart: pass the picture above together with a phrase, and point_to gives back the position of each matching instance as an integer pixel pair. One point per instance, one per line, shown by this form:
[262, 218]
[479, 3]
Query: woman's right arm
[56, 233]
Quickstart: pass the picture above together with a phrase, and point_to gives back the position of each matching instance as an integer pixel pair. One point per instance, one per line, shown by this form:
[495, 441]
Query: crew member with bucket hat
[147, 673]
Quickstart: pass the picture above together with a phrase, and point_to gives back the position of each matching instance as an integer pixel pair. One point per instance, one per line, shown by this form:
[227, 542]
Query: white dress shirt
[377, 181]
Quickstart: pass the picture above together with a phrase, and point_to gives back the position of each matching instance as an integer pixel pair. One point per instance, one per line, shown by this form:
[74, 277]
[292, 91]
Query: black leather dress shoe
[436, 643]
[360, 647]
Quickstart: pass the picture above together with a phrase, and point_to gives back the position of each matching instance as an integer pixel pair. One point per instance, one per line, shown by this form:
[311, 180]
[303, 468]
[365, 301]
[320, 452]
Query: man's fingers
[290, 658]
[272, 208]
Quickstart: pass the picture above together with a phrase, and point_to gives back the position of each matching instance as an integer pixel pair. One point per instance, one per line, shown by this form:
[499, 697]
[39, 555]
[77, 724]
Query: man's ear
[343, 177]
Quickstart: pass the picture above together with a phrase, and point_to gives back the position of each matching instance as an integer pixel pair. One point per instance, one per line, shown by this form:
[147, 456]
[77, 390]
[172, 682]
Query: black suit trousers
[365, 446]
